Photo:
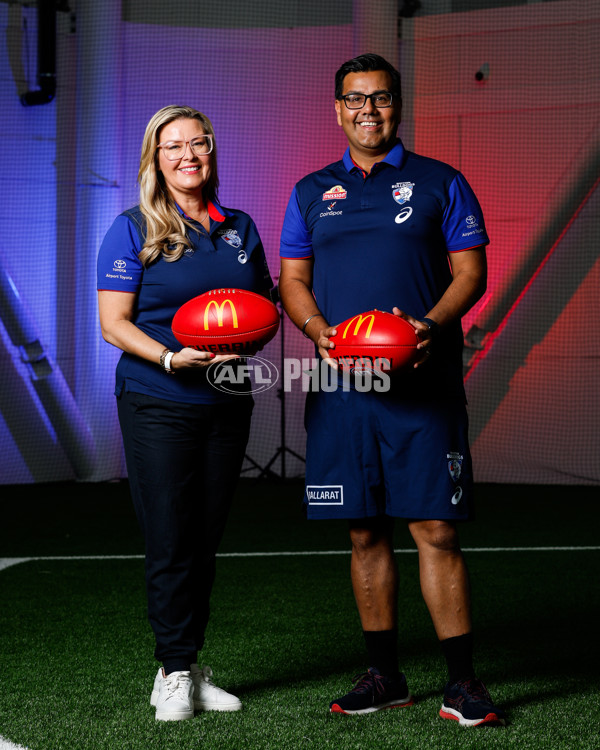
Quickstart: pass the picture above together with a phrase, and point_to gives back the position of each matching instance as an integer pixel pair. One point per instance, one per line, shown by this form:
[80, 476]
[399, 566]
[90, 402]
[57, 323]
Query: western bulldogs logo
[231, 237]
[402, 192]
[455, 462]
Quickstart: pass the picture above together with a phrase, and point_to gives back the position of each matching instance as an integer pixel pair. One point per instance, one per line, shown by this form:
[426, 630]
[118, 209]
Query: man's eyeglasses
[200, 146]
[381, 99]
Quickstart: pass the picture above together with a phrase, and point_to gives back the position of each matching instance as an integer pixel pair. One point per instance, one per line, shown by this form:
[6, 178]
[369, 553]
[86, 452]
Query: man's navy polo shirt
[231, 256]
[382, 240]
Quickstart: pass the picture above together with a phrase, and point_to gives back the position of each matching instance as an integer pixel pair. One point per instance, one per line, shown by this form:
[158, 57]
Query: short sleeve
[296, 241]
[259, 257]
[463, 224]
[119, 268]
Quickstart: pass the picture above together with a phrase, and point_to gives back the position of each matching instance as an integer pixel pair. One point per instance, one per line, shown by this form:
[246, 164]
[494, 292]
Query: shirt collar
[395, 157]
[215, 211]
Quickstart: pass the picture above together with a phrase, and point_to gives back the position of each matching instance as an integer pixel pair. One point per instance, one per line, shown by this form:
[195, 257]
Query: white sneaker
[207, 696]
[173, 696]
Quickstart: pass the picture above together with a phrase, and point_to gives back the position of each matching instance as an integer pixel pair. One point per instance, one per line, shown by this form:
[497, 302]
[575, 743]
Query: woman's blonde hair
[166, 228]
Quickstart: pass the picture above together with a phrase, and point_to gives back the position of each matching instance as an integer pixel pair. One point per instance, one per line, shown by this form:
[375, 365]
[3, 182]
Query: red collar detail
[362, 171]
[214, 212]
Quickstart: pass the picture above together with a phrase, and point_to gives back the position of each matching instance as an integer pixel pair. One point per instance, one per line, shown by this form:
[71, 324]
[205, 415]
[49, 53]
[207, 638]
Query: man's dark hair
[365, 64]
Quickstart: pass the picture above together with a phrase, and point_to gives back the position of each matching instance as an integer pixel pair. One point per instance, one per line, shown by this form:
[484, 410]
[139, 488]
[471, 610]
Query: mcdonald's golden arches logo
[219, 310]
[360, 319]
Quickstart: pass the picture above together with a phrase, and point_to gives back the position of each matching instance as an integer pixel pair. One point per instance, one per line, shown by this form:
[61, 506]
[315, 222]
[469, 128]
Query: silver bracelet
[307, 321]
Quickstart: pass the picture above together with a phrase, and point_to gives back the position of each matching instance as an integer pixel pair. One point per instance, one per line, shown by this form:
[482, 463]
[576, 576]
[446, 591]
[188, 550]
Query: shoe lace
[177, 683]
[206, 673]
[475, 689]
[368, 682]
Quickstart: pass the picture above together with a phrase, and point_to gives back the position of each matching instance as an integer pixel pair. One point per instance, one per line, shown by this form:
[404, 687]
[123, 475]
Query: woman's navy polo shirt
[382, 240]
[232, 255]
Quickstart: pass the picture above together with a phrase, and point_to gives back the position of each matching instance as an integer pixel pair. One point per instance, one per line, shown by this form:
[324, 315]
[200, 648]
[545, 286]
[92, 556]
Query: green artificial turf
[76, 649]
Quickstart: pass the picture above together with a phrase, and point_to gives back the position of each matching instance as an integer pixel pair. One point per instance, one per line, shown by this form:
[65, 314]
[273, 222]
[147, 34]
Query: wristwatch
[165, 361]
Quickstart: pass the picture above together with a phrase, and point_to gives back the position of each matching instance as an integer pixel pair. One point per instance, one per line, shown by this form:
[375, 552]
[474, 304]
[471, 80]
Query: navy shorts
[372, 454]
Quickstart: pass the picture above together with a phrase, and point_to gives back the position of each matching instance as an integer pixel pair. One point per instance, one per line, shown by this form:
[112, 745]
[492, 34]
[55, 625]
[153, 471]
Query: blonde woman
[184, 441]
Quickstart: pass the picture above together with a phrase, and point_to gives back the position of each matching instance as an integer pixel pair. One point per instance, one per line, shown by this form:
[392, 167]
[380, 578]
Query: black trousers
[183, 462]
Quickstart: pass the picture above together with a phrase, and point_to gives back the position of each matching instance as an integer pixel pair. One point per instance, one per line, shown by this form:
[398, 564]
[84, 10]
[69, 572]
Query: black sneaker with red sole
[372, 692]
[469, 703]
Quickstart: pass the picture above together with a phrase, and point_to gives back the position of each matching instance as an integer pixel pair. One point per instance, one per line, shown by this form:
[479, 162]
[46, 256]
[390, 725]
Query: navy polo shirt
[231, 255]
[382, 239]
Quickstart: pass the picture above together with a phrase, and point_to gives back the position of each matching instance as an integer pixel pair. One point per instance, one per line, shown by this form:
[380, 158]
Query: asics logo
[403, 215]
[456, 498]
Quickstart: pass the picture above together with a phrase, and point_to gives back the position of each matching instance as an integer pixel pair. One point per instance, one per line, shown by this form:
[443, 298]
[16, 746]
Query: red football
[374, 340]
[226, 321]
